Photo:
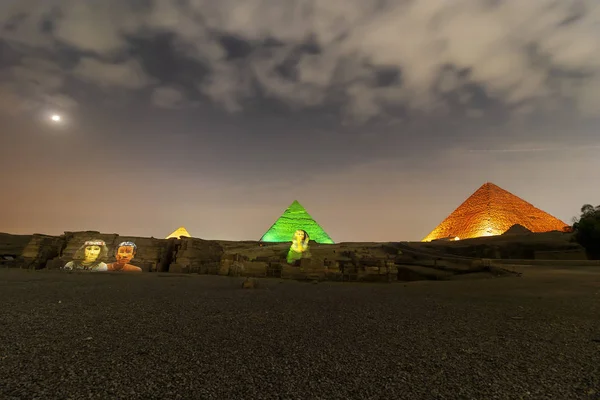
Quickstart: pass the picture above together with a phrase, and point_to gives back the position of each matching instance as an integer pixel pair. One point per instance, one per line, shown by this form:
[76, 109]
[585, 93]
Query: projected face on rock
[89, 257]
[91, 253]
[300, 241]
[299, 247]
[124, 253]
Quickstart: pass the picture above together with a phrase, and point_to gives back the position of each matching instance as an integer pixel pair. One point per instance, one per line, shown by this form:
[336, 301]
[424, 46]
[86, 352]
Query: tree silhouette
[587, 230]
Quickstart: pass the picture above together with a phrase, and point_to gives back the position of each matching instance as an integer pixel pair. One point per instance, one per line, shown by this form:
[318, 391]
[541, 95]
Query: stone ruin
[384, 262]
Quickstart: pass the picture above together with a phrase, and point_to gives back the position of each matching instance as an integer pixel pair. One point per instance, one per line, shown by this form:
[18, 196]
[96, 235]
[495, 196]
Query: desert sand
[196, 336]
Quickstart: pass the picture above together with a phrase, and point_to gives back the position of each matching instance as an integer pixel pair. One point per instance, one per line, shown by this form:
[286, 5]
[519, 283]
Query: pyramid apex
[296, 206]
[488, 183]
[179, 232]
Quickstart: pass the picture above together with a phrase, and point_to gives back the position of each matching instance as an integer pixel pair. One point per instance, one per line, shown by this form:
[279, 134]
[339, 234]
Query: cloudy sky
[379, 116]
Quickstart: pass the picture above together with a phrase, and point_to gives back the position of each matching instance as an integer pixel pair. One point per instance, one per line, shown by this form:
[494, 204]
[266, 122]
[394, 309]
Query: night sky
[379, 116]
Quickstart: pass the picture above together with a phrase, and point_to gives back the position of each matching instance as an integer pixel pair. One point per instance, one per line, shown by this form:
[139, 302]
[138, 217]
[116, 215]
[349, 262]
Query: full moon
[56, 118]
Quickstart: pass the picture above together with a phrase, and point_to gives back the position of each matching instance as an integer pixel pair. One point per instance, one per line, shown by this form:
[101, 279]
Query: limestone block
[274, 270]
[39, 250]
[315, 274]
[311, 263]
[224, 266]
[371, 261]
[371, 271]
[13, 245]
[178, 268]
[576, 254]
[55, 263]
[200, 250]
[236, 268]
[333, 275]
[290, 272]
[255, 268]
[146, 266]
[211, 268]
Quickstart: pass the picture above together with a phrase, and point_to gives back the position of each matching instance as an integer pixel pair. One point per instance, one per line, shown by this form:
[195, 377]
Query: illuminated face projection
[299, 247]
[89, 257]
[124, 253]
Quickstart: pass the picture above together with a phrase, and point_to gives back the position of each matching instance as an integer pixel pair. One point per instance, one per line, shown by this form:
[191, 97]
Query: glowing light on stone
[491, 211]
[179, 232]
[295, 217]
[299, 247]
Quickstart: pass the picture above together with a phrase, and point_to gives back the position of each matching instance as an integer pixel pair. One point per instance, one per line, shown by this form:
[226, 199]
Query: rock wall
[522, 247]
[153, 255]
[383, 262]
[39, 250]
[13, 245]
[191, 255]
[11, 248]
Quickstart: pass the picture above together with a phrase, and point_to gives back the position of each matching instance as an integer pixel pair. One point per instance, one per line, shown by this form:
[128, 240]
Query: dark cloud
[168, 97]
[235, 47]
[368, 57]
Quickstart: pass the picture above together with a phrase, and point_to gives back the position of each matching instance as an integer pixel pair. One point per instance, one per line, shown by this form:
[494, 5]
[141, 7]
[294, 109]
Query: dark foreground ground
[160, 336]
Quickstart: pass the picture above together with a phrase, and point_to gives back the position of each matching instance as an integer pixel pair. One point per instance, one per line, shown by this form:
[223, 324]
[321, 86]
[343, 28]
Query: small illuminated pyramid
[181, 231]
[295, 217]
[491, 211]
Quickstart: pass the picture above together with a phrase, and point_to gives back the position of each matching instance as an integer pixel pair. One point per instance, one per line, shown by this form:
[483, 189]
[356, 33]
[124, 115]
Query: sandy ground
[164, 336]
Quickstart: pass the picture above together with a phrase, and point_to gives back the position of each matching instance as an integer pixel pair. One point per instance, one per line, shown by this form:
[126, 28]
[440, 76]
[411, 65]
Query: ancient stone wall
[13, 245]
[379, 262]
[152, 254]
[565, 254]
[11, 248]
[197, 256]
[39, 250]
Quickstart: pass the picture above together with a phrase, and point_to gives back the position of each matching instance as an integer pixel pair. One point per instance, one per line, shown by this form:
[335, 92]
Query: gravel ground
[164, 336]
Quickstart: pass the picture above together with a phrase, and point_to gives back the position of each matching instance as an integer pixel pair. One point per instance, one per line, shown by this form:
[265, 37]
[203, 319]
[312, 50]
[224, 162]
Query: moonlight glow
[56, 118]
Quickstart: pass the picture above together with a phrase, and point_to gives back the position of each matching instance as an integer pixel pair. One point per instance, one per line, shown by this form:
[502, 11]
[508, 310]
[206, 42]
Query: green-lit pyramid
[295, 217]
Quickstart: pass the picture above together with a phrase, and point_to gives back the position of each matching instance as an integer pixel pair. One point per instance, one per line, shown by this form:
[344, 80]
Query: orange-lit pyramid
[179, 232]
[491, 211]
